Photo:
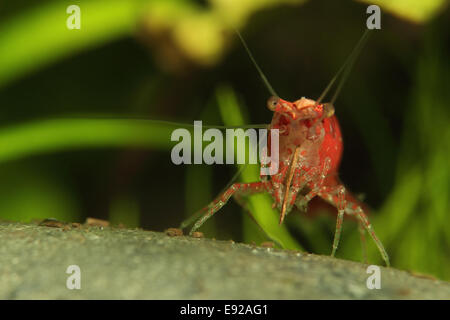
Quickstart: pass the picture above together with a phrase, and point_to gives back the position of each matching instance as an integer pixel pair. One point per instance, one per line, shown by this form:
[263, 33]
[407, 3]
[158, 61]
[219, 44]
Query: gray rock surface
[135, 264]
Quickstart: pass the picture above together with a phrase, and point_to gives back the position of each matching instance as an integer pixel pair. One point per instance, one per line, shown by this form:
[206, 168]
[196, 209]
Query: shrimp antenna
[345, 69]
[261, 74]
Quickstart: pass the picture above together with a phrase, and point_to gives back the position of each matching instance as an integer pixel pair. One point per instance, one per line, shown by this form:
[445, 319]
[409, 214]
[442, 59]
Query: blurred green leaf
[38, 37]
[62, 134]
[413, 221]
[260, 205]
[415, 10]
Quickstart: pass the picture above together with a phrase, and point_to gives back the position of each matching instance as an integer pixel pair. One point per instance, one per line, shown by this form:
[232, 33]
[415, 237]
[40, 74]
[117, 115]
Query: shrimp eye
[328, 110]
[272, 103]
